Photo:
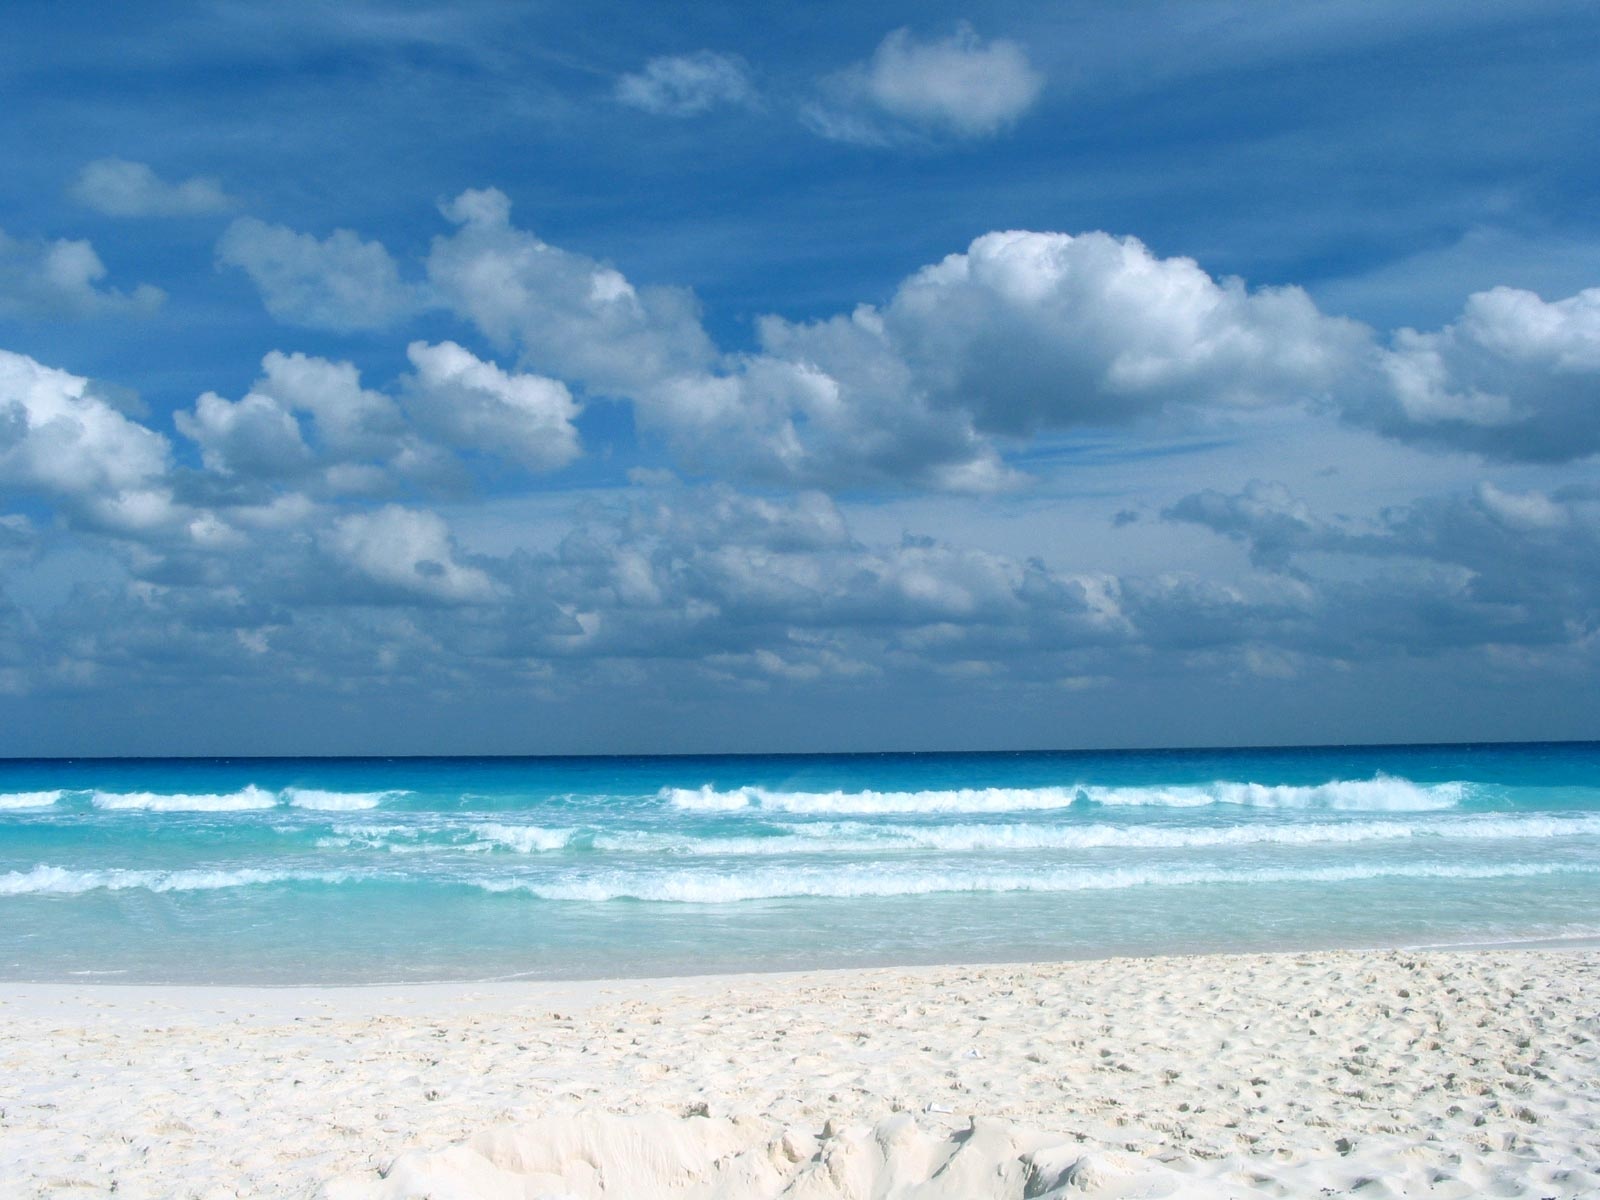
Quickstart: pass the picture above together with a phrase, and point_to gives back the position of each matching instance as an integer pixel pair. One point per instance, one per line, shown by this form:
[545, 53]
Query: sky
[529, 378]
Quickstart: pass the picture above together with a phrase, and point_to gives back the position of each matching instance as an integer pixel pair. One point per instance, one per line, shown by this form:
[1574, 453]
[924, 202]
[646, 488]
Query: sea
[377, 870]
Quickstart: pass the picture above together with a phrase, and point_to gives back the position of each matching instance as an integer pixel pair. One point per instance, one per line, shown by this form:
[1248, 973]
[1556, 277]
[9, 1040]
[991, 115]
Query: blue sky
[541, 378]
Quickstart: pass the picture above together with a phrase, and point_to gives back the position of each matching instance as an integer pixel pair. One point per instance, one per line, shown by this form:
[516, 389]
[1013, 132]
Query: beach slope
[1380, 1073]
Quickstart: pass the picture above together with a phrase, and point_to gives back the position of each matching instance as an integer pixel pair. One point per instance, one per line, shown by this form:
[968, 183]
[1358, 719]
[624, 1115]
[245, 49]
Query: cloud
[825, 404]
[675, 590]
[570, 315]
[1046, 330]
[339, 283]
[307, 424]
[686, 85]
[253, 436]
[358, 441]
[1023, 333]
[59, 440]
[472, 404]
[958, 86]
[351, 422]
[119, 188]
[42, 279]
[1267, 516]
[408, 554]
[1515, 378]
[766, 587]
[1020, 335]
[1493, 564]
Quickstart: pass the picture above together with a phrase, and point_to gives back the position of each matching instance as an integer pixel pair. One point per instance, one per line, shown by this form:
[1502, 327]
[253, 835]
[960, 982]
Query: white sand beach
[1382, 1073]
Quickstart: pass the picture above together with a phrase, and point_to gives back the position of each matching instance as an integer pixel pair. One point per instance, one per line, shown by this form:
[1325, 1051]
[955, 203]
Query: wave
[249, 798]
[45, 880]
[324, 801]
[861, 837]
[786, 882]
[872, 881]
[1382, 793]
[708, 799]
[10, 800]
[527, 839]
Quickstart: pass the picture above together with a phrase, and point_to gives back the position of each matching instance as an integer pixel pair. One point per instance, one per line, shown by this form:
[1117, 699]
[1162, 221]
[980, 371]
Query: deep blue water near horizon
[361, 870]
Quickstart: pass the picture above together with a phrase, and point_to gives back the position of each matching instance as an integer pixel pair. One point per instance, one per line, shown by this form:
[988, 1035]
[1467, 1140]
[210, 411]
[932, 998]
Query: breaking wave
[1380, 794]
[865, 837]
[528, 839]
[44, 880]
[250, 797]
[1383, 793]
[871, 881]
[323, 801]
[9, 800]
[849, 837]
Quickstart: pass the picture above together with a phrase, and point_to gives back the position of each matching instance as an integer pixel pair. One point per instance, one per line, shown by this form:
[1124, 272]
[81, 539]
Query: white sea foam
[708, 799]
[850, 837]
[46, 880]
[871, 880]
[378, 832]
[1382, 793]
[525, 839]
[1379, 794]
[866, 837]
[10, 800]
[249, 798]
[323, 801]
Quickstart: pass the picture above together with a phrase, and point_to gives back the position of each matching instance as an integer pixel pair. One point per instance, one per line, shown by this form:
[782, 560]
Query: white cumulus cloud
[1039, 330]
[252, 436]
[340, 282]
[351, 421]
[473, 404]
[357, 440]
[409, 554]
[1023, 333]
[570, 315]
[1515, 377]
[58, 438]
[43, 278]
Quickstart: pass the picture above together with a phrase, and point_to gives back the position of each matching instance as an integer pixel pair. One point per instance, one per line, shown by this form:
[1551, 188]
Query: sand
[1330, 1073]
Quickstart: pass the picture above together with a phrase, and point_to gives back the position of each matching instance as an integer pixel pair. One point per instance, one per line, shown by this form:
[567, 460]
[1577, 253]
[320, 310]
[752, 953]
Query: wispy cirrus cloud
[687, 85]
[958, 86]
[117, 187]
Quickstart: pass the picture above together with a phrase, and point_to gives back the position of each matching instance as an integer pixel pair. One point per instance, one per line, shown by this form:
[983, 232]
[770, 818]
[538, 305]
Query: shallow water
[359, 870]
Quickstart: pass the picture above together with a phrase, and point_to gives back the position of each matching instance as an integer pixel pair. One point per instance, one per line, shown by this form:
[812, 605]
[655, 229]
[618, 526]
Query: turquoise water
[361, 870]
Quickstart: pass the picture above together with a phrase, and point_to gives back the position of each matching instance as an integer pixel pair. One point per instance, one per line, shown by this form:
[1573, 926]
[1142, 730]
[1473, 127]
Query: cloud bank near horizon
[295, 534]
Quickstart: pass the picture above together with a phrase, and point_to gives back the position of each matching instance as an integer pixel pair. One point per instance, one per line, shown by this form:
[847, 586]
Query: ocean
[368, 870]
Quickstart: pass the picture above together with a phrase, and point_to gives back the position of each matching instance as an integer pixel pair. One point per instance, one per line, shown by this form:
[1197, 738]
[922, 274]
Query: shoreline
[96, 981]
[1460, 1070]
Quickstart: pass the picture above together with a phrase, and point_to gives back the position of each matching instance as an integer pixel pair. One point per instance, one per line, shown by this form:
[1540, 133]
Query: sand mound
[698, 1158]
